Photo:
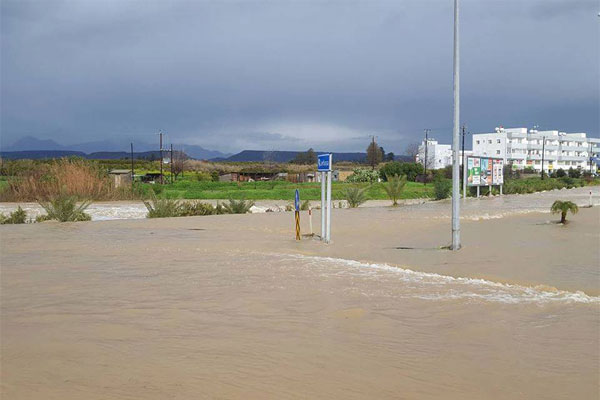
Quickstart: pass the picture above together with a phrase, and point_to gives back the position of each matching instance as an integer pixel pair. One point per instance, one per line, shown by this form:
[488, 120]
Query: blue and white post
[324, 166]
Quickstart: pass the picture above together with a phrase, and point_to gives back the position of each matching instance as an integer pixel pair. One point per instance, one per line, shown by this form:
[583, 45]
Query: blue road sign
[324, 162]
[297, 200]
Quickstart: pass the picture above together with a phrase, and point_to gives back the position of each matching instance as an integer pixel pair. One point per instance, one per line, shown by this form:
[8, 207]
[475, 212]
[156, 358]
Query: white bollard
[310, 220]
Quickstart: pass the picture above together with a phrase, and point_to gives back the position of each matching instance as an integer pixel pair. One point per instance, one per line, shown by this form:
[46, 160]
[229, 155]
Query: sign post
[297, 213]
[485, 171]
[324, 166]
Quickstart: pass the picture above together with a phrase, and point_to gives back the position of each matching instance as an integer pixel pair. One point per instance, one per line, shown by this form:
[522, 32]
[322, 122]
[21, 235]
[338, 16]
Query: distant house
[120, 177]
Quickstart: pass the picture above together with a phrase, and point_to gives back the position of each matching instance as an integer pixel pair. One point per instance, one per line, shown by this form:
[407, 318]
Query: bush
[237, 206]
[19, 216]
[410, 170]
[355, 196]
[64, 208]
[205, 176]
[363, 175]
[215, 176]
[574, 173]
[161, 207]
[74, 177]
[394, 187]
[562, 207]
[560, 173]
[442, 188]
[195, 208]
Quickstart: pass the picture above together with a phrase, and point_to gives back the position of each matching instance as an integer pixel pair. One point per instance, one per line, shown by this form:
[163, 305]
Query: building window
[478, 142]
[497, 151]
[497, 140]
[490, 141]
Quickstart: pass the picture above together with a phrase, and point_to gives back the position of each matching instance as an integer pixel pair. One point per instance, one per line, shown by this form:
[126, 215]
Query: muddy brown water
[232, 307]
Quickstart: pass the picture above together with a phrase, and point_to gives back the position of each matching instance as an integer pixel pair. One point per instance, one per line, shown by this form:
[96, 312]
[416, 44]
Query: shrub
[355, 196]
[363, 175]
[560, 173]
[237, 206]
[562, 207]
[394, 187]
[195, 208]
[214, 176]
[19, 216]
[410, 170]
[74, 177]
[204, 176]
[64, 208]
[161, 207]
[442, 188]
[574, 173]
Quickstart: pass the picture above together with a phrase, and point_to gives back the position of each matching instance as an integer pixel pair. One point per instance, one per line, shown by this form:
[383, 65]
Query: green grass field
[278, 190]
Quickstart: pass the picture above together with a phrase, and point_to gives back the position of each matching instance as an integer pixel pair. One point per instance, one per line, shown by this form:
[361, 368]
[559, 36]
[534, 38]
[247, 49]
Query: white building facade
[438, 155]
[523, 148]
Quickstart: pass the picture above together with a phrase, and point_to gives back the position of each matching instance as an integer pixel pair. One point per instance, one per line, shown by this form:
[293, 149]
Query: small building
[120, 177]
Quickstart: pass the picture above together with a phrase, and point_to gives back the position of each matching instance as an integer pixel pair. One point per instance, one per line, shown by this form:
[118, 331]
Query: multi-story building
[523, 148]
[438, 155]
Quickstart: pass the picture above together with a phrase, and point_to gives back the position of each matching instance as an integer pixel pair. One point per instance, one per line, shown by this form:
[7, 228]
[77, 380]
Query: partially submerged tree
[394, 187]
[355, 196]
[562, 208]
[64, 208]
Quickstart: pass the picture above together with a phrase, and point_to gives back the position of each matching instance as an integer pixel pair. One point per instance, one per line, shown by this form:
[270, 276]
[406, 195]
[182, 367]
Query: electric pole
[425, 160]
[543, 153]
[464, 166]
[172, 178]
[456, 138]
[160, 134]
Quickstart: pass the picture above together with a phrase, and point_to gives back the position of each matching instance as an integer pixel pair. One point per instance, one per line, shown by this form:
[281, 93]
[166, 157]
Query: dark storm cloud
[288, 75]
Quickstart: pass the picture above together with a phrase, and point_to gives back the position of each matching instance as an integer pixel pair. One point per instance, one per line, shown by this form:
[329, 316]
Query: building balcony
[574, 148]
[572, 158]
[534, 146]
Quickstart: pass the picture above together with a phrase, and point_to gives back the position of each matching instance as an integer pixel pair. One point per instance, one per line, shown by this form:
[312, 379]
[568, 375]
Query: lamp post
[456, 139]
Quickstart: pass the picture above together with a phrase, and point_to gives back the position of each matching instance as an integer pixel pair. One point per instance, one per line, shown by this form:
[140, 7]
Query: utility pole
[172, 177]
[425, 160]
[463, 164]
[456, 138]
[543, 153]
[161, 157]
[132, 171]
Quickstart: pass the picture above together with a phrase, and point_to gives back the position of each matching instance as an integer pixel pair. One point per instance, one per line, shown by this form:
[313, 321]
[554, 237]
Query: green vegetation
[442, 188]
[363, 175]
[162, 207]
[19, 216]
[237, 206]
[188, 188]
[355, 196]
[64, 208]
[410, 170]
[562, 208]
[394, 187]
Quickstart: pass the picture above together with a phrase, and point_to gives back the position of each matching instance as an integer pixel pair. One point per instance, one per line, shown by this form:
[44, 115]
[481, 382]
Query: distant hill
[29, 146]
[40, 154]
[286, 156]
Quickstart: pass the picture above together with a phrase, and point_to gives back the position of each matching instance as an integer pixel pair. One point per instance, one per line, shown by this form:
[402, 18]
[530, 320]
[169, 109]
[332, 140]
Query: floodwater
[265, 325]
[231, 307]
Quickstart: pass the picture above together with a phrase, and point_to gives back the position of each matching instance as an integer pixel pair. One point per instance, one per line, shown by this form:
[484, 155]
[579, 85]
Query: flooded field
[232, 307]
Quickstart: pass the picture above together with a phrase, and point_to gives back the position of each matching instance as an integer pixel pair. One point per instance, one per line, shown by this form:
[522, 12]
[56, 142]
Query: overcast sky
[286, 75]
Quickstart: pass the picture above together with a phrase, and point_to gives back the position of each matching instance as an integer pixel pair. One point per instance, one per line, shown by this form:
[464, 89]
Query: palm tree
[563, 207]
[355, 196]
[394, 187]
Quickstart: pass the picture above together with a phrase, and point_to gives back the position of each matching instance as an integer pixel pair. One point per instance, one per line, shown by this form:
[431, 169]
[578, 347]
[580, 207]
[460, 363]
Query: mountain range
[30, 143]
[33, 148]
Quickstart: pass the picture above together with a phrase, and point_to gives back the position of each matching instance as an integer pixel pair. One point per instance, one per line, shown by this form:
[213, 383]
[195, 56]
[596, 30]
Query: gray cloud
[284, 75]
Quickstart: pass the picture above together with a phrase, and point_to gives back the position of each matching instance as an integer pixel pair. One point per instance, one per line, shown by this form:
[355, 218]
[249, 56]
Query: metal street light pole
[456, 139]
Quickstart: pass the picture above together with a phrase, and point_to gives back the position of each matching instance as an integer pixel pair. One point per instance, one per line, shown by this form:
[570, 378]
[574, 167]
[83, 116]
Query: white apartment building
[522, 148]
[438, 155]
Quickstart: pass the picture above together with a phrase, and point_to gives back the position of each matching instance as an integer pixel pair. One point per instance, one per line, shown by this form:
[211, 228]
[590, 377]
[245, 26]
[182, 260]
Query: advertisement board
[484, 171]
[473, 171]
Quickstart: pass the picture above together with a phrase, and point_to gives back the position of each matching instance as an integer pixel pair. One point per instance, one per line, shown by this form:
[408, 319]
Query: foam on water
[432, 286]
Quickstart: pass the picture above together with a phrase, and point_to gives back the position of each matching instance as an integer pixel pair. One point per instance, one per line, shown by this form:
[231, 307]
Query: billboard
[484, 171]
